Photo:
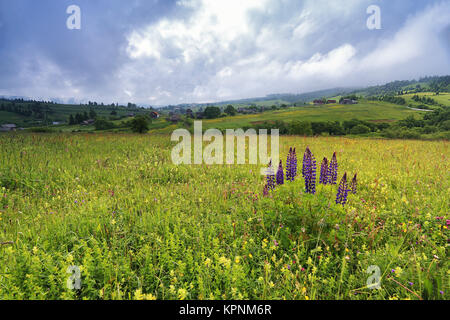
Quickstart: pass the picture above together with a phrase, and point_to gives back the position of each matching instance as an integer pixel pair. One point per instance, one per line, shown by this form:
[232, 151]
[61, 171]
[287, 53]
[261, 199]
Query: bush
[300, 128]
[212, 112]
[139, 124]
[445, 125]
[360, 129]
[401, 133]
[101, 124]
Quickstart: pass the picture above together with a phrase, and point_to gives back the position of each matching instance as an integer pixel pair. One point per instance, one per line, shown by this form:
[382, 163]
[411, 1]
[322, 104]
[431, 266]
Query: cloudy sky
[169, 52]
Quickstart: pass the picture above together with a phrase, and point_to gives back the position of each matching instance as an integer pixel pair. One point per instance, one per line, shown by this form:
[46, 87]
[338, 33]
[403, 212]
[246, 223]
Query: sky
[159, 52]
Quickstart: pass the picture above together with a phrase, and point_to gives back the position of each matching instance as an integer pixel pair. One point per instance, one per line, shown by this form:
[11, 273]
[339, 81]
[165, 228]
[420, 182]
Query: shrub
[102, 124]
[300, 128]
[139, 124]
[360, 129]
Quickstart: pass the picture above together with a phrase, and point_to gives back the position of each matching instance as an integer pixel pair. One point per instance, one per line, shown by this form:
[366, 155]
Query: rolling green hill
[39, 113]
[372, 111]
[376, 111]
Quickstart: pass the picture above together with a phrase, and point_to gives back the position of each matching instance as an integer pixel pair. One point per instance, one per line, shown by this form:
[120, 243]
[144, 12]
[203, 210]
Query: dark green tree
[212, 112]
[92, 114]
[139, 124]
[230, 110]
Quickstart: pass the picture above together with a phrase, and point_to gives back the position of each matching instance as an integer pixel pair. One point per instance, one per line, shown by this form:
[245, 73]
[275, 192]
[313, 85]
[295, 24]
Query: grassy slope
[366, 110]
[442, 98]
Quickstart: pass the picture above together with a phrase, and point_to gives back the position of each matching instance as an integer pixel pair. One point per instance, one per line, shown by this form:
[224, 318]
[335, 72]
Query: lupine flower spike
[304, 163]
[294, 164]
[324, 172]
[342, 193]
[288, 165]
[270, 177]
[265, 191]
[280, 174]
[309, 169]
[291, 165]
[333, 170]
[354, 185]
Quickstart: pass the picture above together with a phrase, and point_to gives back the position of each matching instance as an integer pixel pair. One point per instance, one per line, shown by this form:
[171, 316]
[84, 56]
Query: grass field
[366, 110]
[139, 227]
[376, 111]
[442, 98]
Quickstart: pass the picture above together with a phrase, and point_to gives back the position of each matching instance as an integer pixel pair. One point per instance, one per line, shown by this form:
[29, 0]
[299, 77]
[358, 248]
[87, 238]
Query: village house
[8, 127]
[348, 101]
[88, 122]
[189, 113]
[174, 118]
[318, 102]
[154, 115]
[247, 111]
[331, 101]
[199, 115]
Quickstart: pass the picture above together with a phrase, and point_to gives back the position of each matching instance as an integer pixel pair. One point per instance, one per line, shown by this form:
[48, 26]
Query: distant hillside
[269, 100]
[433, 84]
[30, 113]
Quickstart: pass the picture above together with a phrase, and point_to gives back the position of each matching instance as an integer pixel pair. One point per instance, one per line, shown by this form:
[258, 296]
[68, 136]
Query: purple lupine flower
[305, 155]
[294, 164]
[280, 174]
[342, 193]
[354, 185]
[270, 177]
[291, 165]
[324, 172]
[309, 168]
[333, 170]
[288, 165]
[265, 191]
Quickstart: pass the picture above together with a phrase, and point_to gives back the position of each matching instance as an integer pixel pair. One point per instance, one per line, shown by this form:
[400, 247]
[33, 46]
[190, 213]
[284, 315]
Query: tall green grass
[140, 227]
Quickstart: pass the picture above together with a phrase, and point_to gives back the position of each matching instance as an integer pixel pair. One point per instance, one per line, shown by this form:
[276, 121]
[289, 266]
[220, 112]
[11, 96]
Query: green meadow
[365, 110]
[139, 227]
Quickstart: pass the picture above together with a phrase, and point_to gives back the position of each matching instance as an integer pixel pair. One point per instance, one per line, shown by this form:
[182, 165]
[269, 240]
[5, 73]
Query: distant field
[366, 110]
[375, 111]
[442, 98]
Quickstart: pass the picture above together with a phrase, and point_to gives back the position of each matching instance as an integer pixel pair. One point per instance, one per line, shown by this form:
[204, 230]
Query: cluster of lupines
[328, 175]
[333, 170]
[291, 172]
[309, 171]
[324, 172]
[291, 165]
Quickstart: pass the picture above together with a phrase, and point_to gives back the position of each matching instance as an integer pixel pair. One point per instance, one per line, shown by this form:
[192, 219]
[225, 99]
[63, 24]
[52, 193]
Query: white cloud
[416, 41]
[238, 49]
[213, 26]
